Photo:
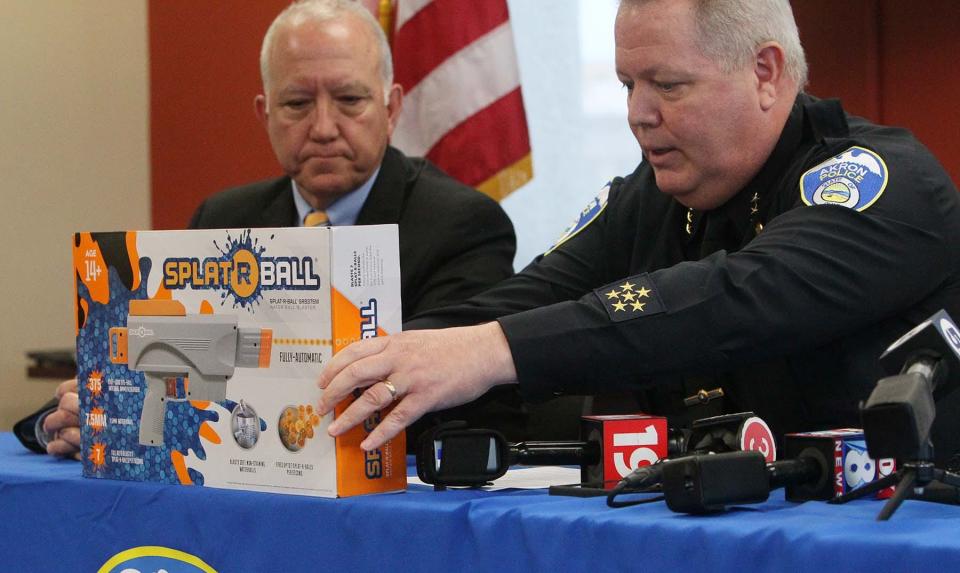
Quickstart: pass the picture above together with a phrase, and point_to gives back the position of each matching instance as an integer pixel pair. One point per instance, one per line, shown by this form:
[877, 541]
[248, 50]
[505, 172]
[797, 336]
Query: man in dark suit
[329, 107]
[454, 241]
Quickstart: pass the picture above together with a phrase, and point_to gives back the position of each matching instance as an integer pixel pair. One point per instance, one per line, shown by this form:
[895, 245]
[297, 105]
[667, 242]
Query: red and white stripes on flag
[462, 107]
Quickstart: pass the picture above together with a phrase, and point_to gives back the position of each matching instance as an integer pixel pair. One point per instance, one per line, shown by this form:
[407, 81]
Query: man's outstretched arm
[427, 370]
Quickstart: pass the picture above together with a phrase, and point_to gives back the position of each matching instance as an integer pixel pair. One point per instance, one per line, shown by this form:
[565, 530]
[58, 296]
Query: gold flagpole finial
[386, 18]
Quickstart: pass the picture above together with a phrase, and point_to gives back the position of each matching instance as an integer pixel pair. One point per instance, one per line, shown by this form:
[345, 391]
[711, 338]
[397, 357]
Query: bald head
[304, 12]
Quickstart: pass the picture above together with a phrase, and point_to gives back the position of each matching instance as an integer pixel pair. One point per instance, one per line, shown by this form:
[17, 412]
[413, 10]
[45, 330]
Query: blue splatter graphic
[233, 246]
[182, 421]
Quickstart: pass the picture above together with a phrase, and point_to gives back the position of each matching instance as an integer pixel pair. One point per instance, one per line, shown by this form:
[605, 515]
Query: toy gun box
[198, 354]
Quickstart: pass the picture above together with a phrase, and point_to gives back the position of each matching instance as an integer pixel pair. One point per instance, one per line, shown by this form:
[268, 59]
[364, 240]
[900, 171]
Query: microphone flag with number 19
[462, 108]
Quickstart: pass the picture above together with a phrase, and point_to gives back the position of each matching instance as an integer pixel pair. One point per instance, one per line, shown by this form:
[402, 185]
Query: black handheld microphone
[454, 455]
[707, 483]
[553, 453]
[899, 413]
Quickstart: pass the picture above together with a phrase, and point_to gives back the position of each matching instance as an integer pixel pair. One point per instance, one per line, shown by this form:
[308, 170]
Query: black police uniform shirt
[785, 296]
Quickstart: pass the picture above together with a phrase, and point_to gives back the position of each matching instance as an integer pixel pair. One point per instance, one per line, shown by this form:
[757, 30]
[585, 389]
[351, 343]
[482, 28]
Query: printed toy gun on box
[198, 354]
[165, 344]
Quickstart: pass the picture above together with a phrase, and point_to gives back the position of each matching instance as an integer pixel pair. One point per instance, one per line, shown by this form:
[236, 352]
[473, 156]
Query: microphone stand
[910, 481]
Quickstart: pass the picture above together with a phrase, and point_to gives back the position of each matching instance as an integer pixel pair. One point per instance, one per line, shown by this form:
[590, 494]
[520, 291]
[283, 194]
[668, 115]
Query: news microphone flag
[462, 109]
[626, 442]
[845, 450]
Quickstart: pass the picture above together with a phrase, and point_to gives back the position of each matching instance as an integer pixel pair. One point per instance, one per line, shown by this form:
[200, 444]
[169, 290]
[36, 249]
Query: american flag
[462, 108]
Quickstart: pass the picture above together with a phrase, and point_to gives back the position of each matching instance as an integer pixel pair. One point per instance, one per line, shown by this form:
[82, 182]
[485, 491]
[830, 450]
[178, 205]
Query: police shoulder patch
[630, 298]
[587, 216]
[854, 179]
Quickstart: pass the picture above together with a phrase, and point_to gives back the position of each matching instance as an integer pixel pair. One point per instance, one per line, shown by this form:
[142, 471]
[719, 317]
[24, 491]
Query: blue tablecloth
[52, 519]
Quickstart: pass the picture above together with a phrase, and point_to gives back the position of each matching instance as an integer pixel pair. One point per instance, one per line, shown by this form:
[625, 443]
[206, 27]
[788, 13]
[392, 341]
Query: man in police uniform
[769, 245]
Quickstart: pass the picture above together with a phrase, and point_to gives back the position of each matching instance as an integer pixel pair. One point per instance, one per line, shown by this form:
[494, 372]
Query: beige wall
[74, 156]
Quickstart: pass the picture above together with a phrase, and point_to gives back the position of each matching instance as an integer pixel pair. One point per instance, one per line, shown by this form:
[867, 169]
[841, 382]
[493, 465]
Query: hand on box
[64, 423]
[425, 370]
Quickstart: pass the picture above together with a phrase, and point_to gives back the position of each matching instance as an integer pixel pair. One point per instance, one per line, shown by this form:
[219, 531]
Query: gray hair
[321, 11]
[731, 30]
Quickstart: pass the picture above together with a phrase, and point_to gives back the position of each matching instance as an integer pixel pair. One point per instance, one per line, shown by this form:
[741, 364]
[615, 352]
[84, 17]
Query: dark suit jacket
[454, 241]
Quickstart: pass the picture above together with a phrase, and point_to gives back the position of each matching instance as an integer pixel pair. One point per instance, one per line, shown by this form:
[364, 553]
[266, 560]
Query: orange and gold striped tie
[316, 219]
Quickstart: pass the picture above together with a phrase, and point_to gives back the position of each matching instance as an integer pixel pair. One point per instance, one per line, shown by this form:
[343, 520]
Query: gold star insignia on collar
[619, 306]
[612, 294]
[643, 292]
[627, 286]
[638, 306]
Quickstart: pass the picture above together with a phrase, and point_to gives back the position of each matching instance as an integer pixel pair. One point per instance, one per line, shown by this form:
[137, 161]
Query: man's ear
[394, 107]
[260, 108]
[770, 73]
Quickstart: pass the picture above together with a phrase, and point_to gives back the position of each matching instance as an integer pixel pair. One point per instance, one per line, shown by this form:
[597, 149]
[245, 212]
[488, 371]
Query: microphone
[627, 443]
[707, 483]
[552, 453]
[742, 431]
[615, 447]
[819, 466]
[453, 455]
[925, 366]
[851, 466]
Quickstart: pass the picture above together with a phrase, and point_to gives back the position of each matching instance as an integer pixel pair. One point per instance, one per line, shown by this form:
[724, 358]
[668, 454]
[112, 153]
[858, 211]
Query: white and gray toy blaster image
[165, 343]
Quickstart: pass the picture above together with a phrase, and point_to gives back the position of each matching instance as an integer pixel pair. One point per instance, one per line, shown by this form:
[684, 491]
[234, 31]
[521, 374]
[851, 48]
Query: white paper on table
[527, 477]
